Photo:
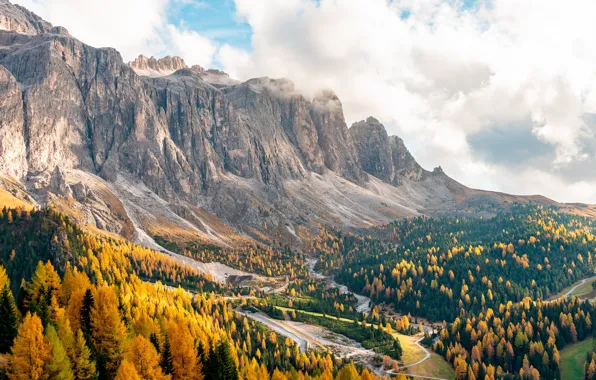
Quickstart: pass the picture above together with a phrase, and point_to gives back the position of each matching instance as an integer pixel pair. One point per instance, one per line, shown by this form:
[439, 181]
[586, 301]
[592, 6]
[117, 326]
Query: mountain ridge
[181, 155]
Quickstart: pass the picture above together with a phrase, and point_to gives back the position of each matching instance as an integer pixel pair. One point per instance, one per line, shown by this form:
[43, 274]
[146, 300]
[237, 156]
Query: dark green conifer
[8, 320]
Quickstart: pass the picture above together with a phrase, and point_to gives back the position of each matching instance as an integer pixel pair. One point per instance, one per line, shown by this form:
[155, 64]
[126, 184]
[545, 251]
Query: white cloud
[133, 27]
[436, 78]
[190, 45]
[442, 74]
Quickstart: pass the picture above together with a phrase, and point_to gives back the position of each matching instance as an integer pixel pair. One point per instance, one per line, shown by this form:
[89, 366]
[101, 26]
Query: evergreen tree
[167, 362]
[88, 303]
[201, 354]
[8, 320]
[155, 341]
[39, 302]
[228, 368]
[221, 365]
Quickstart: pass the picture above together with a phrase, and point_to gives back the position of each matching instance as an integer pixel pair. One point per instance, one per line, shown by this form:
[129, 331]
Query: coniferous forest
[77, 305]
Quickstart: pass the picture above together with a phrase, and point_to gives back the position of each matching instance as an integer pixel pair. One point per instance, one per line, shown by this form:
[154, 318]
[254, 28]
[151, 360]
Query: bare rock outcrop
[18, 19]
[150, 66]
[386, 157]
[374, 149]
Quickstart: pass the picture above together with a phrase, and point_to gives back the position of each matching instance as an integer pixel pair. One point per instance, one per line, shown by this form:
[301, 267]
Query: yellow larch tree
[31, 351]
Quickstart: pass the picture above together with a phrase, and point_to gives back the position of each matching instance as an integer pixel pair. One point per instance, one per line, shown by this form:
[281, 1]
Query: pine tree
[167, 362]
[201, 354]
[228, 365]
[88, 303]
[59, 367]
[221, 365]
[155, 341]
[8, 319]
[31, 352]
[83, 365]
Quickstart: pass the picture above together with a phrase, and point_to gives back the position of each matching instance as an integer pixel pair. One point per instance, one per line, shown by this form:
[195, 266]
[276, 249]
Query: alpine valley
[163, 221]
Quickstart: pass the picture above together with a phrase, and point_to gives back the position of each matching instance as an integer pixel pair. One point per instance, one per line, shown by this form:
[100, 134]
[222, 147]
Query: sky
[500, 93]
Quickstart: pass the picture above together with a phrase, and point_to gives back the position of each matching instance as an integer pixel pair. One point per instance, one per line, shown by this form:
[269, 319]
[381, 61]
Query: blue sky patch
[215, 19]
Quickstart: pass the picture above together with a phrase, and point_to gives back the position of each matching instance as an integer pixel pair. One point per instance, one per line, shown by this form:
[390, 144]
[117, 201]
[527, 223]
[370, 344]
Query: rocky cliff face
[385, 157]
[405, 165]
[152, 67]
[374, 150]
[189, 151]
[18, 19]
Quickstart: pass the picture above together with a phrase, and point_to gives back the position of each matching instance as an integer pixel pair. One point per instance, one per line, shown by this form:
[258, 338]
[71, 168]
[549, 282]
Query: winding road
[578, 285]
[363, 305]
[279, 327]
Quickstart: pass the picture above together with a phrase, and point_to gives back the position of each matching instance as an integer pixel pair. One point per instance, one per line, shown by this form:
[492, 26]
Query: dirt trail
[578, 285]
[281, 328]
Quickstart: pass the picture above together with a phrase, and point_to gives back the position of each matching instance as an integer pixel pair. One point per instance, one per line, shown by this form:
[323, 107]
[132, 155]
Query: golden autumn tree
[59, 366]
[127, 371]
[83, 365]
[183, 353]
[31, 352]
[348, 372]
[108, 330]
[143, 355]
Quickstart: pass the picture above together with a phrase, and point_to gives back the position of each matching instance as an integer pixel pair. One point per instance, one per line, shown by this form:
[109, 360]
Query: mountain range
[156, 149]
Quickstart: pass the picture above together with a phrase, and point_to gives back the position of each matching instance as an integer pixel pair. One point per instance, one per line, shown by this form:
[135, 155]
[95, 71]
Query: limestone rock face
[385, 157]
[157, 141]
[150, 66]
[18, 19]
[405, 165]
[374, 149]
[339, 153]
[13, 155]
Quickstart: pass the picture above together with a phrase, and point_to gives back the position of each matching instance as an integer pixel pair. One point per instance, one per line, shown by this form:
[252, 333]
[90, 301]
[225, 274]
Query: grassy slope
[435, 366]
[10, 201]
[573, 358]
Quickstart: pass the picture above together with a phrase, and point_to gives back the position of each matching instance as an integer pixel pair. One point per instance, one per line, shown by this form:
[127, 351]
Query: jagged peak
[15, 18]
[370, 123]
[151, 66]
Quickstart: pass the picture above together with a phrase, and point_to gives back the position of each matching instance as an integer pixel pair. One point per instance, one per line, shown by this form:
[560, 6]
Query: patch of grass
[10, 201]
[573, 358]
[411, 352]
[435, 366]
